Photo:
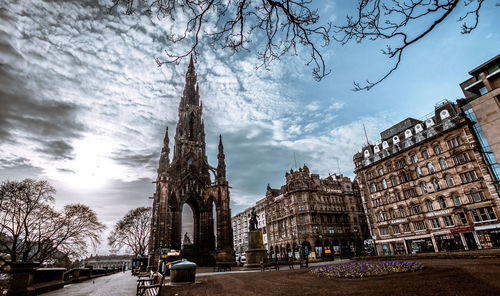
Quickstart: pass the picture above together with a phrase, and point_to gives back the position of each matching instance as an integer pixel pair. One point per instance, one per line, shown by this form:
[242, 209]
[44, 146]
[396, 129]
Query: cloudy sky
[84, 105]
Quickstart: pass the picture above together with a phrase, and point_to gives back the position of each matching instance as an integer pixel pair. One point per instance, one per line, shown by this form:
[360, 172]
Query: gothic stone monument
[256, 250]
[186, 180]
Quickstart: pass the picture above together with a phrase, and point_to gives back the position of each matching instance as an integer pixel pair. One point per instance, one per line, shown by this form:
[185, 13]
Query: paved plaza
[118, 284]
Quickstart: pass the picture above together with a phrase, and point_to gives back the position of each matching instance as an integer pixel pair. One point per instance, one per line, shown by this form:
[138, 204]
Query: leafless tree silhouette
[132, 231]
[31, 230]
[403, 22]
[285, 26]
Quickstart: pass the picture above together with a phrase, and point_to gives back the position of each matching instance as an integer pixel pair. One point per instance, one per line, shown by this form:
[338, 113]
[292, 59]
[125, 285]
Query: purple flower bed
[366, 269]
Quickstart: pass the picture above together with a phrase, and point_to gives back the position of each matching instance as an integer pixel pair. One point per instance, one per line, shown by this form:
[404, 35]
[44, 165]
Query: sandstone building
[186, 180]
[426, 186]
[324, 216]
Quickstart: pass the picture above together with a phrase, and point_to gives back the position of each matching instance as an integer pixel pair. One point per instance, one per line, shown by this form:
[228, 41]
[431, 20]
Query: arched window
[449, 180]
[414, 209]
[437, 149]
[456, 199]
[429, 205]
[442, 202]
[414, 158]
[442, 163]
[444, 114]
[435, 183]
[381, 216]
[367, 153]
[419, 172]
[373, 188]
[393, 181]
[418, 128]
[423, 186]
[430, 167]
[425, 154]
[397, 195]
[384, 184]
[475, 196]
[402, 211]
[388, 198]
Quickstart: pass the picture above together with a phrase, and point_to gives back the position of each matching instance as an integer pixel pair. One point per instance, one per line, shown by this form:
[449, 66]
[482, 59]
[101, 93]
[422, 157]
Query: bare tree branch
[401, 21]
[284, 26]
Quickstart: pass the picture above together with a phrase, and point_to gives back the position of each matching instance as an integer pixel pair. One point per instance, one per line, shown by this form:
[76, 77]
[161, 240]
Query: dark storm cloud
[131, 158]
[26, 110]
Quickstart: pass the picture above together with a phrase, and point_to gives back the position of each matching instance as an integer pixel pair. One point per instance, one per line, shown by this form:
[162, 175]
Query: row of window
[478, 215]
[401, 163]
[413, 209]
[405, 177]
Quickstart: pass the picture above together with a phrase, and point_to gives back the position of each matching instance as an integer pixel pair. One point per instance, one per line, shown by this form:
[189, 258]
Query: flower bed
[366, 269]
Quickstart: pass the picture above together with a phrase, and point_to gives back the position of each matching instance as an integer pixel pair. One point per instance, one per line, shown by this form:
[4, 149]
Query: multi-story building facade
[426, 186]
[482, 106]
[241, 224]
[322, 216]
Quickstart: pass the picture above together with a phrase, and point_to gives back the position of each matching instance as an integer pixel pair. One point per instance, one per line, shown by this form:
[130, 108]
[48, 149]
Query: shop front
[420, 245]
[449, 242]
[398, 247]
[488, 235]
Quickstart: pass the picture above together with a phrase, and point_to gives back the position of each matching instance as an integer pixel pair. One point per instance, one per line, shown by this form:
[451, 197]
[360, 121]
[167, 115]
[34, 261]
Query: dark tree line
[31, 230]
[284, 27]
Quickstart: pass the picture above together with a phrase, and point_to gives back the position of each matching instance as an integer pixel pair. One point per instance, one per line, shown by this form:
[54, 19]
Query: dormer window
[418, 128]
[367, 153]
[376, 149]
[444, 114]
[408, 133]
[385, 145]
[395, 139]
[429, 122]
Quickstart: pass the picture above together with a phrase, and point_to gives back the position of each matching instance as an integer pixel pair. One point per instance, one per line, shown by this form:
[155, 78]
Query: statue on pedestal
[253, 221]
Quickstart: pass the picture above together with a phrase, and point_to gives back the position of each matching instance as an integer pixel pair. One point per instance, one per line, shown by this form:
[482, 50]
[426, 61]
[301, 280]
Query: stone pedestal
[23, 275]
[256, 250]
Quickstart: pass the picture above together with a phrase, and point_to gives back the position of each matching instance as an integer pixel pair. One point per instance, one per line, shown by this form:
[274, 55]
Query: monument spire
[221, 166]
[164, 156]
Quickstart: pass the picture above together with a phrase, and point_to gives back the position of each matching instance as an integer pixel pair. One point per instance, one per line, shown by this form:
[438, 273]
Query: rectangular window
[396, 230]
[301, 208]
[406, 227]
[455, 142]
[435, 223]
[384, 231]
[409, 193]
[461, 158]
[463, 220]
[419, 225]
[331, 229]
[483, 214]
[448, 221]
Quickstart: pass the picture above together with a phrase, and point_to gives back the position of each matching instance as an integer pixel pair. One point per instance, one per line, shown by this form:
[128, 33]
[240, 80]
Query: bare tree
[283, 25]
[403, 22]
[31, 230]
[132, 231]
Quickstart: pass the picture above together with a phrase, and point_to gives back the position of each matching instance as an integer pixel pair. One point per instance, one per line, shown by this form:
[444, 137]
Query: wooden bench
[223, 266]
[150, 286]
[266, 263]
